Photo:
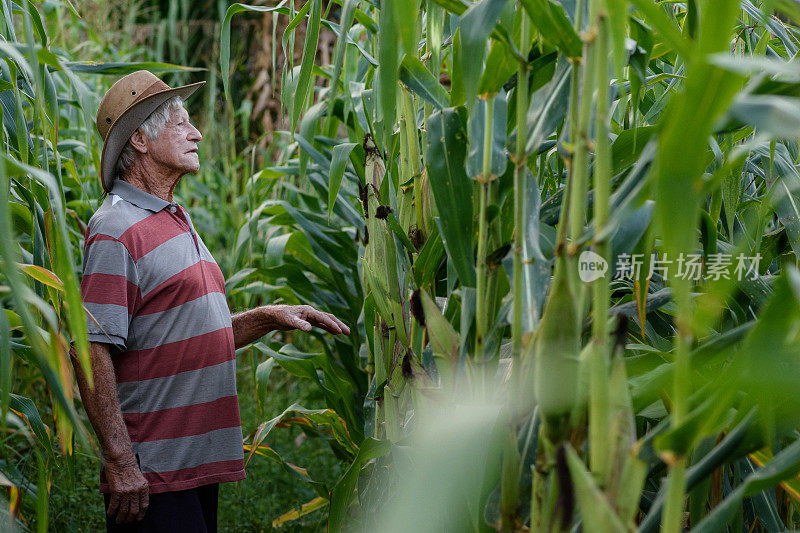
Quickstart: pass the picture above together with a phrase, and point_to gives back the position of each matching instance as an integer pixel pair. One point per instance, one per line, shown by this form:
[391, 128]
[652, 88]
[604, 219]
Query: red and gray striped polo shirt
[157, 295]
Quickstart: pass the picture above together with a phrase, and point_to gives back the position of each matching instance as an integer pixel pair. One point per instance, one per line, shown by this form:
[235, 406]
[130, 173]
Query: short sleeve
[109, 288]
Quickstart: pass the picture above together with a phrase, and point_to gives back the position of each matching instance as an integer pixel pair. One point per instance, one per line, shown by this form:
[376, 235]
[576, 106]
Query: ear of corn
[556, 352]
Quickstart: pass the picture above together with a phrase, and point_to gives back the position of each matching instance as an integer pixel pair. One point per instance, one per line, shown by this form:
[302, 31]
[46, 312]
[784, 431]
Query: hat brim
[128, 122]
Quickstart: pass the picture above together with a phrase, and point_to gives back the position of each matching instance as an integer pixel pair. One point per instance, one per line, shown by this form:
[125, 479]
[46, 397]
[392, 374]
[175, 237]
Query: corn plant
[475, 150]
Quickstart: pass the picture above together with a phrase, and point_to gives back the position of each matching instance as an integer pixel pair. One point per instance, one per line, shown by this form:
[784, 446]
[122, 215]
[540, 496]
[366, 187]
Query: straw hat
[124, 108]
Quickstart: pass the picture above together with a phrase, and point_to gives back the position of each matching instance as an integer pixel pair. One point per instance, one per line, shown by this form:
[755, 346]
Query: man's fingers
[338, 323]
[341, 325]
[113, 505]
[128, 516]
[327, 323]
[133, 514]
[313, 317]
[302, 324]
[144, 501]
[123, 515]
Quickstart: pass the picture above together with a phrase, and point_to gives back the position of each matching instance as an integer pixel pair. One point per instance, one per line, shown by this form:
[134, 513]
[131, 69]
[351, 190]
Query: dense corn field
[565, 235]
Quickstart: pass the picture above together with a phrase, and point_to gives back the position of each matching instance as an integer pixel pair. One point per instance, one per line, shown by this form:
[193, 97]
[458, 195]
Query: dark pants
[192, 511]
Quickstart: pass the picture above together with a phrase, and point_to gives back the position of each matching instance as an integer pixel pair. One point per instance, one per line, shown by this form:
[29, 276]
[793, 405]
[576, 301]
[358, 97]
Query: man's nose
[195, 135]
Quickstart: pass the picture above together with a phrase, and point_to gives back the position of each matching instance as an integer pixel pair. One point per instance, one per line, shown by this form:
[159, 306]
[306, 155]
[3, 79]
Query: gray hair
[151, 128]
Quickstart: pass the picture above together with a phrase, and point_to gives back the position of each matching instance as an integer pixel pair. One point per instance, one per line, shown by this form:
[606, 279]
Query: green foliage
[628, 128]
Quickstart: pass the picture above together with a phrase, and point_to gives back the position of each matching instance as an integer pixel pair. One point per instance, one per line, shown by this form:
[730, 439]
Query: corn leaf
[309, 507]
[554, 26]
[26, 410]
[784, 465]
[420, 80]
[343, 490]
[347, 13]
[388, 58]
[547, 108]
[655, 15]
[475, 26]
[476, 126]
[452, 189]
[42, 275]
[341, 154]
[225, 36]
[121, 69]
[598, 516]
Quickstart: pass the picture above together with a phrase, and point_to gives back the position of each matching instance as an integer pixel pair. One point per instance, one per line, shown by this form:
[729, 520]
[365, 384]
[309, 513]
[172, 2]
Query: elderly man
[162, 339]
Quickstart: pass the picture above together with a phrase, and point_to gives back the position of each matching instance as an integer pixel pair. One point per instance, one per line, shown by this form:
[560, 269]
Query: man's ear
[138, 141]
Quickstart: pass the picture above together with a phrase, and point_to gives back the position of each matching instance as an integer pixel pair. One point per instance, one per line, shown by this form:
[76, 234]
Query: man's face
[176, 145]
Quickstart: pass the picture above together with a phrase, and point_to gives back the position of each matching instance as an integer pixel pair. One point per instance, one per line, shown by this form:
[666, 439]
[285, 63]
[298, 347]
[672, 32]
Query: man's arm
[253, 324]
[129, 489]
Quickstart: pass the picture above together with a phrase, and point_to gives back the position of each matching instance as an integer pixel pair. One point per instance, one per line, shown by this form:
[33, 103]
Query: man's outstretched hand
[252, 325]
[304, 317]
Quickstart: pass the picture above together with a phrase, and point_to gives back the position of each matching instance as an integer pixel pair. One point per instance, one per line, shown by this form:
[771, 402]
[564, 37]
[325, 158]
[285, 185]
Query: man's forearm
[102, 405]
[252, 325]
[128, 486]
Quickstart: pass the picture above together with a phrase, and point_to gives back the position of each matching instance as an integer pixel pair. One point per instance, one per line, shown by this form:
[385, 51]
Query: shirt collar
[138, 197]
